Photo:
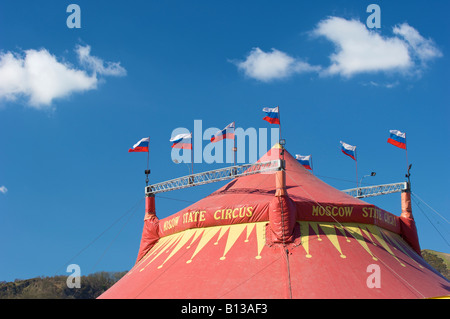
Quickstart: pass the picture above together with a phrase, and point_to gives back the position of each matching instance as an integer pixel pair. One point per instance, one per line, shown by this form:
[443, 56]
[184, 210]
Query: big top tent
[282, 234]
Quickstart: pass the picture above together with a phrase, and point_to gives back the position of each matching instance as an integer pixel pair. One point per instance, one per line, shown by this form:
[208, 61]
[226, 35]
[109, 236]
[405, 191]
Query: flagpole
[279, 133]
[406, 151]
[192, 153]
[148, 155]
[234, 142]
[147, 172]
[312, 168]
[234, 146]
[279, 125]
[356, 162]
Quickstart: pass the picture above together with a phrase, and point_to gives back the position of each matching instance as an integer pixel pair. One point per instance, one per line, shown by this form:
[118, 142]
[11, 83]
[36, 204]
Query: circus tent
[281, 234]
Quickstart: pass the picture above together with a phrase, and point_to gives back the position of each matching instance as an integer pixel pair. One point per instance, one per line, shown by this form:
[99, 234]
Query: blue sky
[73, 101]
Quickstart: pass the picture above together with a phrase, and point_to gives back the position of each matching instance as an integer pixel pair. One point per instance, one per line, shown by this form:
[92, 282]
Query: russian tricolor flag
[305, 161]
[227, 132]
[183, 141]
[141, 146]
[272, 115]
[348, 150]
[397, 138]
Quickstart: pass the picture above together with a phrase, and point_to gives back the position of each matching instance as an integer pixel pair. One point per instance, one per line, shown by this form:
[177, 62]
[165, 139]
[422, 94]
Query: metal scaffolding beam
[369, 191]
[249, 169]
[213, 176]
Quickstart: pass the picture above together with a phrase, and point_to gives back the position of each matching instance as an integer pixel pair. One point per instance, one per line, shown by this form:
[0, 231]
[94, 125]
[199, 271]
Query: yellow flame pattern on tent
[189, 243]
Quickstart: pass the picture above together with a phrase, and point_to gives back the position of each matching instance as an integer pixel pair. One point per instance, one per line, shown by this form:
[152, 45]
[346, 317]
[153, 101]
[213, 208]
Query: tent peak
[277, 146]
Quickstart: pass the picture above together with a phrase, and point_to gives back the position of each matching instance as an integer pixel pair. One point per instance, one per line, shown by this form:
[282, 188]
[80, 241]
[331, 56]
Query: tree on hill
[436, 262]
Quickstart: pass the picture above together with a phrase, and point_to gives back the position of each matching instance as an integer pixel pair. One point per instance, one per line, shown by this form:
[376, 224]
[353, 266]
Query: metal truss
[369, 191]
[250, 169]
[213, 176]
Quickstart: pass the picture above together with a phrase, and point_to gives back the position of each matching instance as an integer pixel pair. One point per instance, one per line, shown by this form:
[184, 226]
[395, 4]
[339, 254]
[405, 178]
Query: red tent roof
[250, 240]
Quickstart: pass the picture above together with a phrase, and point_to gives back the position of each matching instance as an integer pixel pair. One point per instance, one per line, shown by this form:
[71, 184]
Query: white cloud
[3, 189]
[41, 78]
[388, 85]
[423, 49]
[357, 50]
[96, 64]
[267, 66]
[360, 50]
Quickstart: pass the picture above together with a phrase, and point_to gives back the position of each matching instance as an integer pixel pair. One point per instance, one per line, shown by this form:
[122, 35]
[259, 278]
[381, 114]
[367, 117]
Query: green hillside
[439, 261]
[55, 287]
